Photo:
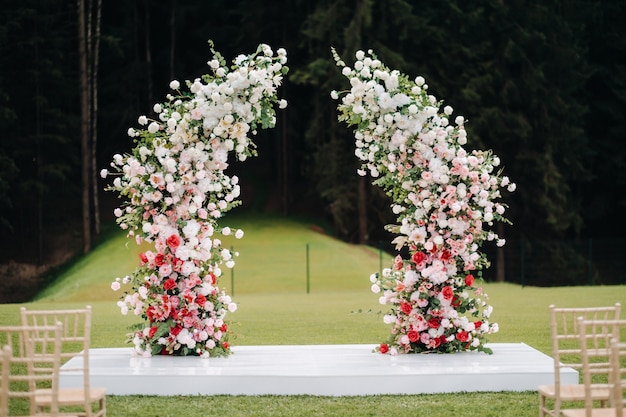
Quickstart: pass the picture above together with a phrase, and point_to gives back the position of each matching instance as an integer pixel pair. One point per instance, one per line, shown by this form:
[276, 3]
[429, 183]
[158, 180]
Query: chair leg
[542, 405]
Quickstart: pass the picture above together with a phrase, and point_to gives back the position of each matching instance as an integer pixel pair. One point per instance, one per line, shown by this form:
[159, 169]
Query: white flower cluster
[176, 188]
[441, 192]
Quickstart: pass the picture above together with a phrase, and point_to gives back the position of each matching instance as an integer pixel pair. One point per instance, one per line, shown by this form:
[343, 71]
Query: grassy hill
[272, 259]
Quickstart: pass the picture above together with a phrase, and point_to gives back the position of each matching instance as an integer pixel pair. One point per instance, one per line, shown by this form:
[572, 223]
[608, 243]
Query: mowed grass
[274, 308]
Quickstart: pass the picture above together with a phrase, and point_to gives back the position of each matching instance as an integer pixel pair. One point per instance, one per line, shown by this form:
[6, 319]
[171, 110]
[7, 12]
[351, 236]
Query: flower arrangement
[443, 197]
[176, 189]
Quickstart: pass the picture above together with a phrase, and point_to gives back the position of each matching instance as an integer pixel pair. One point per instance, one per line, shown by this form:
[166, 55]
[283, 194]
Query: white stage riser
[330, 370]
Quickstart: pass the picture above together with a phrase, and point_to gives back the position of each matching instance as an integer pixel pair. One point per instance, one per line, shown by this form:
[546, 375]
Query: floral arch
[176, 189]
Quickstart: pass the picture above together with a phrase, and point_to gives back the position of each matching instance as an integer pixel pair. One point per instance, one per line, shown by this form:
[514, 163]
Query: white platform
[334, 370]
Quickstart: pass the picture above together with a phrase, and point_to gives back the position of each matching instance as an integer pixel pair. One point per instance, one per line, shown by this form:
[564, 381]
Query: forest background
[543, 84]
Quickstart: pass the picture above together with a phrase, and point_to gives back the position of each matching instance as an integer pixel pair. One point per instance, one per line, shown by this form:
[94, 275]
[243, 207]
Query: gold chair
[75, 343]
[34, 366]
[618, 365]
[566, 352]
[594, 347]
[5, 364]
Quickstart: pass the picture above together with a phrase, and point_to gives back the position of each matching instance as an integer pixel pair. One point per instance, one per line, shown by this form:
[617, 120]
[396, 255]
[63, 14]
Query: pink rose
[397, 263]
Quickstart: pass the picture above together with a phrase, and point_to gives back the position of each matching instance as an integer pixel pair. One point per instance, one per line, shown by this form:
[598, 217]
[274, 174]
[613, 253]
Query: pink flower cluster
[176, 190]
[443, 196]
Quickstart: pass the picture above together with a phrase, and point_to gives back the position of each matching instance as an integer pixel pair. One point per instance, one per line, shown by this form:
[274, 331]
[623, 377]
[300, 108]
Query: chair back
[618, 376]
[75, 338]
[31, 358]
[565, 331]
[5, 364]
[600, 359]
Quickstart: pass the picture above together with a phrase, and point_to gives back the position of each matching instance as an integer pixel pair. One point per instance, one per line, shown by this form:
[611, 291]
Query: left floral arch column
[175, 190]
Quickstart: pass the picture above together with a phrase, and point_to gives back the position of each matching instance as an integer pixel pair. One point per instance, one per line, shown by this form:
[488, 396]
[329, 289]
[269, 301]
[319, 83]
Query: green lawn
[274, 308]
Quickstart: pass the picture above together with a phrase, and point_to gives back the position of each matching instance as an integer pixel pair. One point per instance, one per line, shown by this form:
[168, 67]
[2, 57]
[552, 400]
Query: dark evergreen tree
[604, 202]
[39, 124]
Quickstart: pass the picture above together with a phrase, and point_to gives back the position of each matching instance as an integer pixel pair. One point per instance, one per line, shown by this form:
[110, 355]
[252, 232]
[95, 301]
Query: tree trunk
[39, 163]
[146, 35]
[172, 37]
[84, 126]
[94, 62]
[284, 179]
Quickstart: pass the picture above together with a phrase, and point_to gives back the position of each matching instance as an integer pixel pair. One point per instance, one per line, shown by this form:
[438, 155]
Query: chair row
[587, 340]
[35, 353]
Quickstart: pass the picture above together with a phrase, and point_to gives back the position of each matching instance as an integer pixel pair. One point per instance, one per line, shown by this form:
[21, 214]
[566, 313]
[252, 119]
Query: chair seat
[70, 396]
[575, 392]
[595, 412]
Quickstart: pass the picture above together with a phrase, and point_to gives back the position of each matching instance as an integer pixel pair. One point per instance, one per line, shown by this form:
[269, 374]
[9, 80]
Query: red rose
[225, 344]
[152, 332]
[469, 280]
[150, 313]
[462, 336]
[447, 292]
[159, 259]
[477, 324]
[174, 331]
[173, 242]
[434, 322]
[213, 279]
[384, 348]
[436, 342]
[169, 284]
[419, 257]
[177, 264]
[223, 328]
[413, 336]
[456, 302]
[445, 255]
[201, 300]
[144, 258]
[406, 307]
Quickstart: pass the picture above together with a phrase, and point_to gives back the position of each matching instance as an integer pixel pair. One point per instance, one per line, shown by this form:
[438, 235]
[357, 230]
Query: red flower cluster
[426, 315]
